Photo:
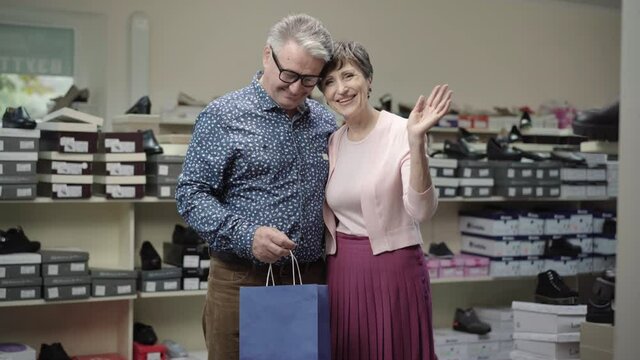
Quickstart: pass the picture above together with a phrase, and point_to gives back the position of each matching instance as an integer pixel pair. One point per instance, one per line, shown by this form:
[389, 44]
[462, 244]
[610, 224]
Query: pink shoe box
[475, 265]
[451, 268]
[433, 266]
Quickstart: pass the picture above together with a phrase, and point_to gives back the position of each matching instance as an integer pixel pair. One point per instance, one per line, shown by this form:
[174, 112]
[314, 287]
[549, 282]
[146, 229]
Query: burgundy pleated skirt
[380, 305]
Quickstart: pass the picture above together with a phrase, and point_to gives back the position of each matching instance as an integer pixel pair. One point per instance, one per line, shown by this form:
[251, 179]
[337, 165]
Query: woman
[379, 190]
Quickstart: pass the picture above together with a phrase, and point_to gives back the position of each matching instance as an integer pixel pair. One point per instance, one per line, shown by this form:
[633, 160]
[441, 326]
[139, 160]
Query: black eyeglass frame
[306, 80]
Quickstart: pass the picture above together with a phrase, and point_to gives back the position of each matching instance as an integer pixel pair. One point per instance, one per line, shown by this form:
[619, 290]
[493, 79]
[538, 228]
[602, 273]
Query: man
[253, 179]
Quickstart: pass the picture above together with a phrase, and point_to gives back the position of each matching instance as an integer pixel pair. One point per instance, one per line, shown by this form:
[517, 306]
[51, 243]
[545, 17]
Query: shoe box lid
[20, 282]
[556, 338]
[66, 280]
[435, 162]
[473, 164]
[161, 180]
[492, 215]
[569, 310]
[447, 336]
[18, 179]
[20, 258]
[99, 273]
[446, 182]
[20, 133]
[166, 272]
[170, 159]
[63, 255]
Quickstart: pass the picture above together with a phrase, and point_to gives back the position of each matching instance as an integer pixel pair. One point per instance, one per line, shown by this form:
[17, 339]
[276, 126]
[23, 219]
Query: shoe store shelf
[528, 132]
[40, 302]
[166, 294]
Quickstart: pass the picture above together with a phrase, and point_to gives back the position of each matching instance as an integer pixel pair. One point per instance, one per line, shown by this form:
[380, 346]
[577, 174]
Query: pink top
[390, 210]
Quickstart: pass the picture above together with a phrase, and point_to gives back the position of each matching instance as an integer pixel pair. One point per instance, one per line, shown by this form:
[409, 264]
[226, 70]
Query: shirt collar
[266, 103]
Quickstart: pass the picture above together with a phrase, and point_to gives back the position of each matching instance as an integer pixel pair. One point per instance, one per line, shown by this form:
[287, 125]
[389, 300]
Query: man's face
[292, 59]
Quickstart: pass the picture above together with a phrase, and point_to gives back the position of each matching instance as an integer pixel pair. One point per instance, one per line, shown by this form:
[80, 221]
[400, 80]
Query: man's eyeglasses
[290, 77]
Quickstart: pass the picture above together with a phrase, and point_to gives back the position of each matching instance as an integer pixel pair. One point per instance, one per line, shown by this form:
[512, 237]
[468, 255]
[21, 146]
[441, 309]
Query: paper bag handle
[294, 266]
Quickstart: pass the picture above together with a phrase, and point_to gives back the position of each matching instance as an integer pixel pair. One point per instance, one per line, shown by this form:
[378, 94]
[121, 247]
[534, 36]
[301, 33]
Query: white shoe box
[28, 353]
[585, 264]
[573, 174]
[508, 267]
[531, 266]
[585, 241]
[597, 190]
[564, 266]
[501, 321]
[547, 319]
[599, 218]
[530, 224]
[532, 246]
[604, 245]
[554, 346]
[573, 191]
[498, 224]
[505, 246]
[597, 173]
[581, 222]
[556, 223]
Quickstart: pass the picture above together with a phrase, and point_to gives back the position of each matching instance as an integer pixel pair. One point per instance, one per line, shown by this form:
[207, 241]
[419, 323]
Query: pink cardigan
[392, 213]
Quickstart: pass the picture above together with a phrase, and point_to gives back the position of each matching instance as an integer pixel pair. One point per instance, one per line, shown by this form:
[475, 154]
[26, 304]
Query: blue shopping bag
[285, 322]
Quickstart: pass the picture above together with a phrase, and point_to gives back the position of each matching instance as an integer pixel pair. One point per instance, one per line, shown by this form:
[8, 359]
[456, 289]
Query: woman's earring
[369, 93]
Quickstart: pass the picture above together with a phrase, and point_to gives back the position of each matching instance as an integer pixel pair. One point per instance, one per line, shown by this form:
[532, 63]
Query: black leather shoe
[150, 144]
[464, 134]
[185, 236]
[54, 351]
[467, 321]
[568, 157]
[514, 135]
[72, 95]
[461, 151]
[149, 257]
[600, 307]
[525, 119]
[602, 124]
[440, 250]
[551, 289]
[144, 334]
[561, 247]
[142, 106]
[499, 151]
[17, 118]
[15, 241]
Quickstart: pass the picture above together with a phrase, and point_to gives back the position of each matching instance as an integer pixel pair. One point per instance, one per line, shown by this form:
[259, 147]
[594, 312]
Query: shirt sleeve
[420, 206]
[201, 185]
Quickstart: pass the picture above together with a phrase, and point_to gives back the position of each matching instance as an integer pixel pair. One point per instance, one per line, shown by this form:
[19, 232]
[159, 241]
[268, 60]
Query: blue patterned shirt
[249, 165]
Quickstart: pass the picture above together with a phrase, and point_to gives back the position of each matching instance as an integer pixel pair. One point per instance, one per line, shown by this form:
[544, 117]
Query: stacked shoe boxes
[18, 157]
[68, 140]
[162, 174]
[120, 165]
[444, 176]
[501, 322]
[110, 282]
[585, 181]
[192, 259]
[612, 178]
[513, 241]
[457, 345]
[526, 179]
[65, 274]
[547, 331]
[476, 178]
[574, 227]
[20, 277]
[168, 278]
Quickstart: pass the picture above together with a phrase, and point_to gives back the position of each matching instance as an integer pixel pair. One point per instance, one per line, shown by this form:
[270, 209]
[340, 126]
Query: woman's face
[347, 90]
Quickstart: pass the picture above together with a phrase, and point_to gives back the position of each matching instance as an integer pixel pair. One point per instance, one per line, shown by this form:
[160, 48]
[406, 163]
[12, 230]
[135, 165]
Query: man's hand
[270, 244]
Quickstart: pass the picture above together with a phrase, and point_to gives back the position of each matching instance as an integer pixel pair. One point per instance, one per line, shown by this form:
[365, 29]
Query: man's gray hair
[305, 31]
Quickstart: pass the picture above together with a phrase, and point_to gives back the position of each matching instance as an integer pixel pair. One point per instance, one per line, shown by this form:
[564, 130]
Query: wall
[491, 52]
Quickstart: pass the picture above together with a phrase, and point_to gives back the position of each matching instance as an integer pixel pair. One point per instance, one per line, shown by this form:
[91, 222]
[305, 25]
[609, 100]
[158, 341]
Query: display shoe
[144, 334]
[460, 150]
[467, 321]
[561, 247]
[440, 250]
[54, 351]
[17, 118]
[150, 143]
[514, 135]
[149, 257]
[525, 118]
[15, 241]
[186, 100]
[464, 134]
[185, 236]
[385, 103]
[568, 157]
[500, 151]
[601, 124]
[65, 100]
[551, 289]
[610, 227]
[175, 350]
[600, 307]
[142, 106]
